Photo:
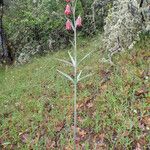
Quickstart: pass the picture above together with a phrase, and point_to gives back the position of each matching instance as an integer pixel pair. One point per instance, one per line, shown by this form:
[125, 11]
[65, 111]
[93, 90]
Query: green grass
[36, 108]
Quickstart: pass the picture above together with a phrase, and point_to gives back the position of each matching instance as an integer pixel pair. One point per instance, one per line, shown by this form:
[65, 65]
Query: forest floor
[36, 106]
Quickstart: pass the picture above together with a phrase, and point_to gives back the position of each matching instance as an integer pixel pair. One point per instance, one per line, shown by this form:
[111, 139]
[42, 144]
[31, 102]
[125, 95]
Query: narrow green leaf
[84, 77]
[78, 76]
[72, 59]
[85, 57]
[71, 43]
[66, 75]
[6, 143]
[65, 61]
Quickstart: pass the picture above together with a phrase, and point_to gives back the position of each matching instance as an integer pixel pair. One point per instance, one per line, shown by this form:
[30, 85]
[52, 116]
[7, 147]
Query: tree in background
[33, 27]
[37, 26]
[6, 56]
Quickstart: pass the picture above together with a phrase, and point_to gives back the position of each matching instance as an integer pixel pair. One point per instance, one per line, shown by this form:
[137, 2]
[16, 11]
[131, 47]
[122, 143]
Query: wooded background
[38, 26]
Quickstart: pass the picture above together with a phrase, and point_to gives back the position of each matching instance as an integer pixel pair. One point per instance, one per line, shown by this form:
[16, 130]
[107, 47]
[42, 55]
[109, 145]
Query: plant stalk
[75, 75]
[75, 114]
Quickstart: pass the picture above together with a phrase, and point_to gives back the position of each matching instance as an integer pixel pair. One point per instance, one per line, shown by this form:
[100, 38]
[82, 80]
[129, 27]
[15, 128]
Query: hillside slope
[36, 107]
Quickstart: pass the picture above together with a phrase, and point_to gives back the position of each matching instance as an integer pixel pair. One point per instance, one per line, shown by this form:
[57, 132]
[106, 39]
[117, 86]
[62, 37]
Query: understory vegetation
[36, 110]
[104, 43]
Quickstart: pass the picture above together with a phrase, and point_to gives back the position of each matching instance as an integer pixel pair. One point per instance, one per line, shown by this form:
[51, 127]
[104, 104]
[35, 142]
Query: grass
[36, 107]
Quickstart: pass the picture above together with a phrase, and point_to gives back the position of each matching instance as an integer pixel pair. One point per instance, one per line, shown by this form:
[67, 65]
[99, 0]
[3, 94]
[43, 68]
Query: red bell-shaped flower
[79, 22]
[67, 1]
[68, 25]
[68, 9]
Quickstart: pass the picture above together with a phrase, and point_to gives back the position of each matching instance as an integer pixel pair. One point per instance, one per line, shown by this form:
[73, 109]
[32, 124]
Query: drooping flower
[68, 9]
[68, 25]
[79, 22]
[67, 1]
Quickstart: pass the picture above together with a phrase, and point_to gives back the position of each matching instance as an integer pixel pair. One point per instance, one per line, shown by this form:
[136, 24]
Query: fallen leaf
[138, 147]
[140, 92]
[80, 105]
[80, 119]
[69, 147]
[148, 101]
[82, 133]
[146, 121]
[103, 87]
[125, 134]
[60, 126]
[50, 144]
[24, 137]
[80, 86]
[89, 105]
[99, 138]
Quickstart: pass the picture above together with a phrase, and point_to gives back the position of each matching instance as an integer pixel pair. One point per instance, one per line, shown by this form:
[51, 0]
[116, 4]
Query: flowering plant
[73, 25]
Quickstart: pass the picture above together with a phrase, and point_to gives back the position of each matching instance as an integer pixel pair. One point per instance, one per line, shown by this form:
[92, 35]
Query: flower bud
[68, 25]
[68, 9]
[79, 22]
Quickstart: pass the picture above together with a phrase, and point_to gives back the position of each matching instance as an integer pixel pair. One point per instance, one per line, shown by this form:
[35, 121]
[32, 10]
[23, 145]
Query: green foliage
[39, 26]
[29, 24]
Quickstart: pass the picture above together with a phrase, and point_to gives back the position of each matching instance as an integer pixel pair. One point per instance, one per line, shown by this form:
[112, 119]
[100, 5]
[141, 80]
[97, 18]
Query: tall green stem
[75, 91]
[75, 75]
[75, 114]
